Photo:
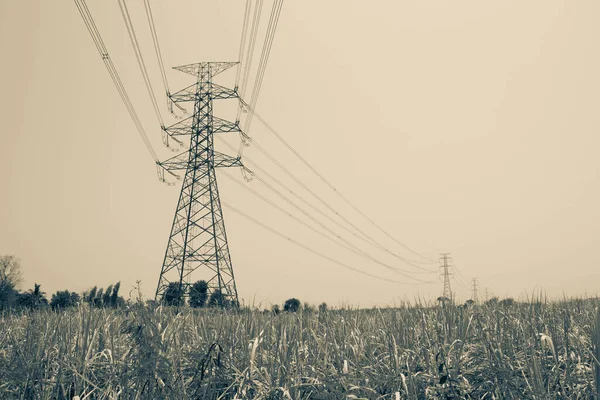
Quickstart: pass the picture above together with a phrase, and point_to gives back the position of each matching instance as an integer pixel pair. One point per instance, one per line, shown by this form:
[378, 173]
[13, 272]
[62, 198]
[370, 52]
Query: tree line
[11, 275]
[197, 296]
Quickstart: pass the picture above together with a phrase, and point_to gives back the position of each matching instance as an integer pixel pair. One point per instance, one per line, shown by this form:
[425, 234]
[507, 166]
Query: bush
[33, 299]
[291, 305]
[64, 299]
[104, 298]
[198, 294]
[8, 295]
[507, 302]
[217, 298]
[173, 296]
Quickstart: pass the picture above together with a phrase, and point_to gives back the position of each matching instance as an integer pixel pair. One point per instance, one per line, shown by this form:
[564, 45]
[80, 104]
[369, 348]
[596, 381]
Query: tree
[275, 309]
[509, 301]
[307, 308]
[90, 296]
[173, 296]
[491, 302]
[8, 294]
[10, 278]
[198, 294]
[10, 270]
[97, 301]
[323, 307]
[115, 299]
[33, 298]
[291, 305]
[217, 298]
[106, 296]
[64, 299]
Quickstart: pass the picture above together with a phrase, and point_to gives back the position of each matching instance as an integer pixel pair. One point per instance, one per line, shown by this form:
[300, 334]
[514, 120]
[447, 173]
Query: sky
[464, 127]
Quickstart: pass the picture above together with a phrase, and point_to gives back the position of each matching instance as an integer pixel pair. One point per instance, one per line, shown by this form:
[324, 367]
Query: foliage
[10, 271]
[173, 295]
[322, 307]
[218, 299]
[507, 302]
[198, 294]
[307, 308]
[532, 350]
[10, 278]
[64, 299]
[104, 298]
[491, 301]
[33, 298]
[8, 294]
[291, 305]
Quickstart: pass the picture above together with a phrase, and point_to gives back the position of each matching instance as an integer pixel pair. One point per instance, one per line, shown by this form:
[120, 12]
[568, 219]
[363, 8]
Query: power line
[340, 241]
[262, 66]
[322, 178]
[242, 42]
[250, 51]
[309, 249]
[99, 43]
[140, 60]
[364, 237]
[460, 278]
[158, 53]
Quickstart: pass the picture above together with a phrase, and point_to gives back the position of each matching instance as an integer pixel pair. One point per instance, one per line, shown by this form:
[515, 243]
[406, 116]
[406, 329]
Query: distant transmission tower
[197, 248]
[475, 295]
[445, 266]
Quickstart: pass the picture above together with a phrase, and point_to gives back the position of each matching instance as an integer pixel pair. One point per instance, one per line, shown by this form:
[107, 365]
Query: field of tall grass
[533, 350]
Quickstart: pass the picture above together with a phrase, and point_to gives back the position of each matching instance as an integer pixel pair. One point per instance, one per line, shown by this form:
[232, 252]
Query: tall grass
[532, 350]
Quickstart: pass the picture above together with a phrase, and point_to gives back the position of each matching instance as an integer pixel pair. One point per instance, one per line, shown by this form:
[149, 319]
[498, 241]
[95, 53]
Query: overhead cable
[99, 43]
[140, 60]
[364, 236]
[243, 42]
[151, 24]
[322, 178]
[250, 51]
[311, 250]
[340, 241]
[256, 167]
[262, 65]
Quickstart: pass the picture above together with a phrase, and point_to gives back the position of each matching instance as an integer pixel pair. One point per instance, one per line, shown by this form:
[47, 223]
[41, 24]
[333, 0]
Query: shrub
[198, 294]
[33, 298]
[217, 298]
[173, 296]
[64, 299]
[291, 305]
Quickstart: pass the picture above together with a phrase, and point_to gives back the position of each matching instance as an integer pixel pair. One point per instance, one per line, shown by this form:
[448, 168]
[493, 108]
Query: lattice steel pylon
[197, 247]
[445, 266]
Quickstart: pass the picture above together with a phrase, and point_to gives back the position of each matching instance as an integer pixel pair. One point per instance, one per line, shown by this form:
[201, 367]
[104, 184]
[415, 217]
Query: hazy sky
[468, 127]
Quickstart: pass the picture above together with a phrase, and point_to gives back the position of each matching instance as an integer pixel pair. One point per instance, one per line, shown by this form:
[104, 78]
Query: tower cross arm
[181, 162]
[223, 160]
[184, 127]
[217, 92]
[214, 68]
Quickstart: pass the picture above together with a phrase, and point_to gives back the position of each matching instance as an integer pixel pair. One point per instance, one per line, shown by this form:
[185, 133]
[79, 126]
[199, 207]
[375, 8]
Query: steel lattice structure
[445, 260]
[197, 247]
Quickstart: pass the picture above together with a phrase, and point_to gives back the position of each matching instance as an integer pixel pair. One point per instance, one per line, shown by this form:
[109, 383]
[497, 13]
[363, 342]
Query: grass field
[535, 350]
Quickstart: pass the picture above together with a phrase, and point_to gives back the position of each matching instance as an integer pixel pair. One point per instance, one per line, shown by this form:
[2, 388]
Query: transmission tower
[475, 295]
[445, 266]
[197, 247]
